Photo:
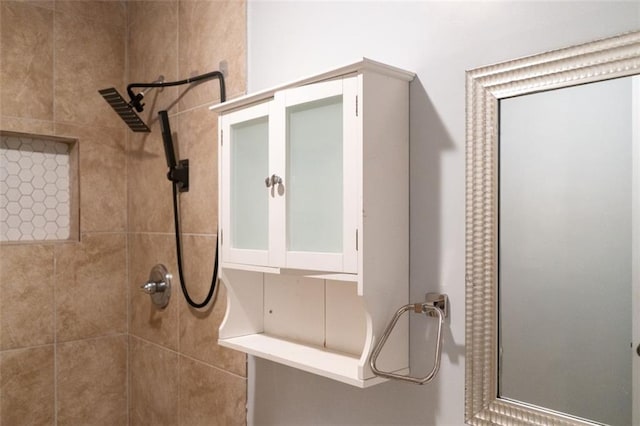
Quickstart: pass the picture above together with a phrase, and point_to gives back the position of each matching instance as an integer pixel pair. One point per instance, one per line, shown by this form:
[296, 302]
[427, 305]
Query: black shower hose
[214, 279]
[176, 212]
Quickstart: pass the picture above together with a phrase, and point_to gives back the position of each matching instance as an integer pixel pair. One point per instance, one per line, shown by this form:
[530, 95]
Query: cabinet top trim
[362, 65]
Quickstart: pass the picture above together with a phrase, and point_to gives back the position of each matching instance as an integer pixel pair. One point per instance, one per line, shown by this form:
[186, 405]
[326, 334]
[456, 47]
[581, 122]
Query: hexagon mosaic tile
[34, 189]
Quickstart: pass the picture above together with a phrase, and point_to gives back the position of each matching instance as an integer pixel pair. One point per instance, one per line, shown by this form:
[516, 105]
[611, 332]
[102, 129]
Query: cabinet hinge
[221, 137]
[221, 237]
[356, 105]
[356, 239]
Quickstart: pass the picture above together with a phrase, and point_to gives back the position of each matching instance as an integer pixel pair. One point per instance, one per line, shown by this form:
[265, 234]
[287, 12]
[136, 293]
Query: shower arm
[135, 99]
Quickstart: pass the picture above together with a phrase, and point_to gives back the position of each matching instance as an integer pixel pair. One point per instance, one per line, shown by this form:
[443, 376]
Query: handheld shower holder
[180, 175]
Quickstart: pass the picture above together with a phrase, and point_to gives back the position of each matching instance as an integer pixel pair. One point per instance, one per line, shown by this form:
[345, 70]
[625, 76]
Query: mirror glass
[568, 213]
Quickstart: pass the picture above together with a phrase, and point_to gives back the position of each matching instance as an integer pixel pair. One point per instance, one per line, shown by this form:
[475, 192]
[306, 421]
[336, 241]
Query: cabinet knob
[273, 180]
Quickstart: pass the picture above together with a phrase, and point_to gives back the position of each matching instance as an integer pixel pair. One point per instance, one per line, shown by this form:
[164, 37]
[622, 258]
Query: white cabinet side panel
[385, 222]
[244, 303]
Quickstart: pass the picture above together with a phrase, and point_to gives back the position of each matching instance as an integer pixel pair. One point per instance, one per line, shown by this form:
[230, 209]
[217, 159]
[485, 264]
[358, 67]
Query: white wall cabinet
[314, 214]
[291, 162]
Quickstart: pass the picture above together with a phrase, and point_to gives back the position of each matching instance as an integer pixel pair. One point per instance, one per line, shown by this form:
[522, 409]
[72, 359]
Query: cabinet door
[244, 200]
[320, 130]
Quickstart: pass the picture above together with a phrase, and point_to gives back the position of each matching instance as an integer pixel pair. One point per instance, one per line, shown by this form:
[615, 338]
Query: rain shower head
[127, 110]
[124, 110]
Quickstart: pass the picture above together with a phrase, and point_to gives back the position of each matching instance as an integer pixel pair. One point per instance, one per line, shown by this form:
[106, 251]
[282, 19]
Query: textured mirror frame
[605, 59]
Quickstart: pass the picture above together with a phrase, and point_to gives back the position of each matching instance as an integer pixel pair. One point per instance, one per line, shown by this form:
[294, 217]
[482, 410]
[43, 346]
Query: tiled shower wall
[178, 373]
[79, 344]
[63, 306]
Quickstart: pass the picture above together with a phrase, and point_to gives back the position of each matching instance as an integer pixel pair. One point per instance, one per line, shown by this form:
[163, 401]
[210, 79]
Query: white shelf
[283, 271]
[251, 268]
[312, 359]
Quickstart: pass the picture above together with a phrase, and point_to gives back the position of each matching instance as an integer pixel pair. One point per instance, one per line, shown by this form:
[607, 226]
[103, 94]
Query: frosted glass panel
[249, 197]
[314, 180]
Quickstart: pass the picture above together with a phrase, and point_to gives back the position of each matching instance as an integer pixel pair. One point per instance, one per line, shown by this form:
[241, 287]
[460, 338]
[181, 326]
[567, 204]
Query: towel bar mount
[435, 305]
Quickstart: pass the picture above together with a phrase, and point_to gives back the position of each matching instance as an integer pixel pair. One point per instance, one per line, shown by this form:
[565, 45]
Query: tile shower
[79, 344]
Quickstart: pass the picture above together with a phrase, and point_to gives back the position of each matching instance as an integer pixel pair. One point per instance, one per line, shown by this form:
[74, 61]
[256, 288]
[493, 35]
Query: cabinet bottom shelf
[341, 367]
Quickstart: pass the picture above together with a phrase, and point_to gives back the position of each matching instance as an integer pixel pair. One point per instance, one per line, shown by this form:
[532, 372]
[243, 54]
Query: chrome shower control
[273, 180]
[153, 287]
[158, 286]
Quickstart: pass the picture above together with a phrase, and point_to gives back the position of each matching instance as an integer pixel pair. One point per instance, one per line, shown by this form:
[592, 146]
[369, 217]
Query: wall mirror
[553, 238]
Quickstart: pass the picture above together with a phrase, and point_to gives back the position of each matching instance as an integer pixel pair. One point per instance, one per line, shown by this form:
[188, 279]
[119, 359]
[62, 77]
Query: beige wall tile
[153, 384]
[153, 50]
[27, 289]
[111, 11]
[150, 207]
[210, 32]
[146, 321]
[27, 386]
[90, 55]
[91, 287]
[26, 125]
[47, 4]
[92, 382]
[26, 61]
[197, 139]
[209, 396]
[103, 176]
[199, 328]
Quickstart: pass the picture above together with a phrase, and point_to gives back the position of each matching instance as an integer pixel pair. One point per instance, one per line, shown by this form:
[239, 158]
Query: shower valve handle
[273, 180]
[158, 286]
[152, 287]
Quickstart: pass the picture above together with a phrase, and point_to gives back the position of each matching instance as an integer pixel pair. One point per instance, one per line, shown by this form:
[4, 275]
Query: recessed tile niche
[38, 188]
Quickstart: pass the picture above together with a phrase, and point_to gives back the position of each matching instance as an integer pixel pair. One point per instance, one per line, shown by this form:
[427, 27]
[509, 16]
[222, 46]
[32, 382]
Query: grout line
[44, 345]
[55, 342]
[55, 335]
[204, 105]
[127, 294]
[53, 71]
[62, 122]
[38, 120]
[222, 370]
[171, 234]
[177, 71]
[59, 243]
[177, 64]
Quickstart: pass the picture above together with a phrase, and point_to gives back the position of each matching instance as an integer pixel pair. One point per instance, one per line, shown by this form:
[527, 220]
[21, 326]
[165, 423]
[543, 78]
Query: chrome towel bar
[436, 305]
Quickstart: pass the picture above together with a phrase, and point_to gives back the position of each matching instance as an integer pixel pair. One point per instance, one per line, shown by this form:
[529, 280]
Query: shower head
[124, 110]
[127, 110]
